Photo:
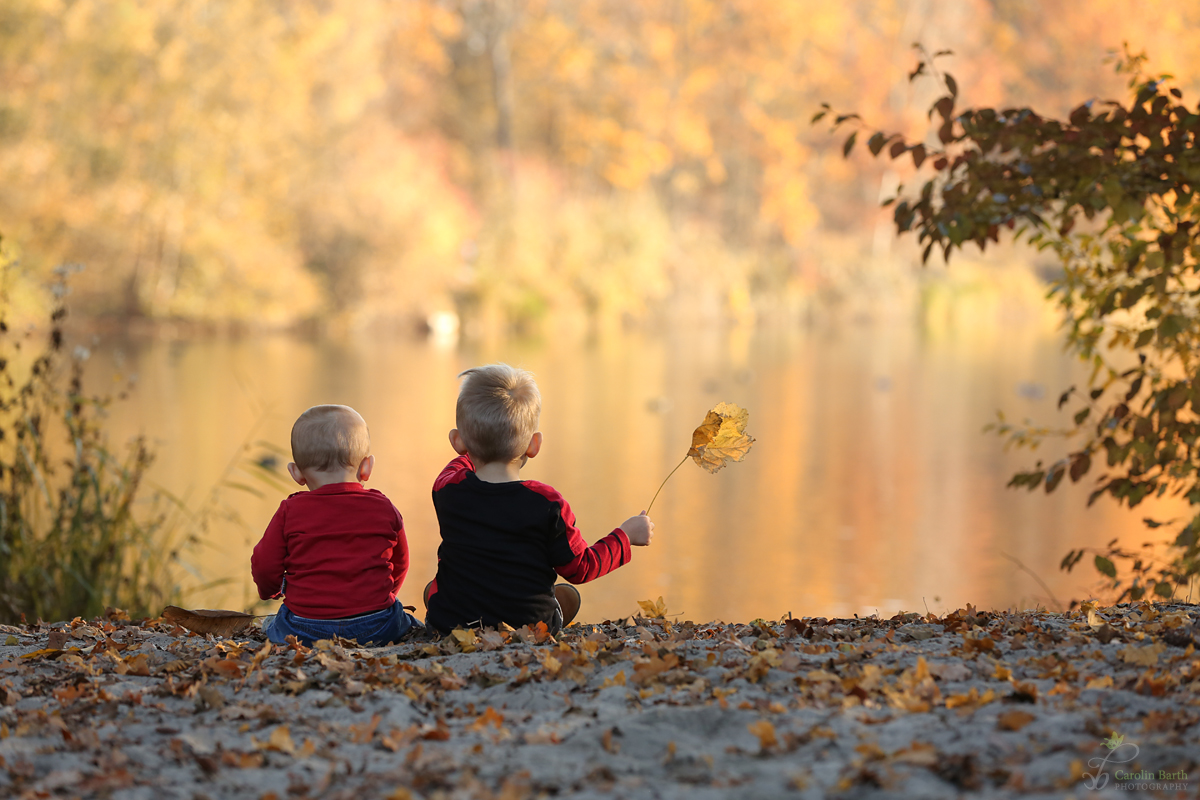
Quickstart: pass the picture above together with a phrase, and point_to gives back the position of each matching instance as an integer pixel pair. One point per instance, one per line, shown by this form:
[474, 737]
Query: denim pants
[384, 627]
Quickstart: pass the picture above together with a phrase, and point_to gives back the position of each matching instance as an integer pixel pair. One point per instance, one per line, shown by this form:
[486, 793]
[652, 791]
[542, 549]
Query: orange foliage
[369, 160]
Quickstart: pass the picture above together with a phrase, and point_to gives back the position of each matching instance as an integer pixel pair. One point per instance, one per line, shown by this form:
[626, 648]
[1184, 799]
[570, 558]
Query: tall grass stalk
[73, 539]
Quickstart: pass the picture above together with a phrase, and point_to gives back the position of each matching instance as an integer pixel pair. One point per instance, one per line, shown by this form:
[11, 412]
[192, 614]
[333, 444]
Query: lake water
[871, 487]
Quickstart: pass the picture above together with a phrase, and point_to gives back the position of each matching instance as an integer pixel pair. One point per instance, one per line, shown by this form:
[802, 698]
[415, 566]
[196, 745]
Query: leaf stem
[664, 483]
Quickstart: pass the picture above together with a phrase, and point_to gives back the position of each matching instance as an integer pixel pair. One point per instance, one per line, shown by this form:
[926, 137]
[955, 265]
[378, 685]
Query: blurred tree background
[353, 163]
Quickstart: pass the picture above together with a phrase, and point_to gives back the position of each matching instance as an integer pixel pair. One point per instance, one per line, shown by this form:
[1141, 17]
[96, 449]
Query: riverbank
[974, 702]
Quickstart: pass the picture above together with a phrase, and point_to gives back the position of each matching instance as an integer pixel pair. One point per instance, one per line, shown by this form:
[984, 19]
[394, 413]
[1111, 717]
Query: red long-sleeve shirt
[502, 546]
[333, 552]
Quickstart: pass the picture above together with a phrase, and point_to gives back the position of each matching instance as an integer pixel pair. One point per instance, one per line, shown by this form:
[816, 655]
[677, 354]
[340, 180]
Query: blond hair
[330, 436]
[497, 412]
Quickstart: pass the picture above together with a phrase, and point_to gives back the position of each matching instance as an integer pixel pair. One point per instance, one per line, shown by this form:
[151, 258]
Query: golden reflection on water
[871, 486]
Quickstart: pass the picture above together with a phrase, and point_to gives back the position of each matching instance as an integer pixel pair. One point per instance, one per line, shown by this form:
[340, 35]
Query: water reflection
[871, 487]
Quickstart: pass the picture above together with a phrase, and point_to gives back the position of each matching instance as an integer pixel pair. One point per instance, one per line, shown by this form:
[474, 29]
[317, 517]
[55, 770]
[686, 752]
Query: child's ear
[364, 468]
[296, 474]
[456, 441]
[535, 445]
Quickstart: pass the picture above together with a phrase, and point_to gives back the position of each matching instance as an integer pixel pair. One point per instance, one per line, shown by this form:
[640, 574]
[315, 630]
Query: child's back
[336, 553]
[505, 540]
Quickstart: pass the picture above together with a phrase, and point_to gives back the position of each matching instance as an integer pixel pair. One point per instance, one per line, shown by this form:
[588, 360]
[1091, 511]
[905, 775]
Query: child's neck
[315, 479]
[500, 471]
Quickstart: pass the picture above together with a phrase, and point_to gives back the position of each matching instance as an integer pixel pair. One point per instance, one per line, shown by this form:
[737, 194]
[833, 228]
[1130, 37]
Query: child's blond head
[497, 412]
[327, 437]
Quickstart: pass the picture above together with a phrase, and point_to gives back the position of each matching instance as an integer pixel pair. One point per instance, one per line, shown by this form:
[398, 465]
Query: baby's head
[497, 412]
[329, 442]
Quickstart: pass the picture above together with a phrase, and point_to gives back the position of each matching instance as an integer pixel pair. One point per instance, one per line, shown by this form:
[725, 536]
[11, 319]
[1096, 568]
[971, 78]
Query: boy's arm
[600, 559]
[570, 555]
[399, 554]
[266, 562]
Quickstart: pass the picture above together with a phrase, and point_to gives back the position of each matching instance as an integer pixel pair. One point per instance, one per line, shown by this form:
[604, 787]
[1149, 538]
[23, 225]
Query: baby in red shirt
[337, 553]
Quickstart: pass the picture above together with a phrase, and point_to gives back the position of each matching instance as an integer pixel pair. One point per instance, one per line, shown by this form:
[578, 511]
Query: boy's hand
[639, 529]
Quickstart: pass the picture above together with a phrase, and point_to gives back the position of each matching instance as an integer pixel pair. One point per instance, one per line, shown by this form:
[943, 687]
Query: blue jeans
[384, 627]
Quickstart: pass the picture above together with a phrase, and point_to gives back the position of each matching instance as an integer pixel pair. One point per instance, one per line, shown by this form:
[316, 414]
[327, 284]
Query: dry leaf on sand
[205, 620]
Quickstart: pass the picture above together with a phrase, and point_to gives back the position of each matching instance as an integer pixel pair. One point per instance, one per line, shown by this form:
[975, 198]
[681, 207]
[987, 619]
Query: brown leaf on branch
[205, 620]
[722, 437]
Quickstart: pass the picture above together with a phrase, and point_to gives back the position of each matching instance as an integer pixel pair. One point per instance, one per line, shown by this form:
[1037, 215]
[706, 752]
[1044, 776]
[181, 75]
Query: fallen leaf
[919, 753]
[490, 716]
[492, 640]
[204, 620]
[467, 640]
[982, 644]
[765, 732]
[365, 732]
[1104, 682]
[280, 741]
[653, 609]
[209, 697]
[950, 671]
[57, 640]
[1142, 656]
[615, 680]
[543, 735]
[1014, 720]
[970, 700]
[721, 438]
[138, 664]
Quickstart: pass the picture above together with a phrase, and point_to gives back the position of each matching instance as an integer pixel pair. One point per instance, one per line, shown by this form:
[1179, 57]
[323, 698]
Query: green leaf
[1105, 567]
[1170, 327]
[1080, 464]
[1055, 475]
[944, 107]
[918, 155]
[849, 145]
[1163, 589]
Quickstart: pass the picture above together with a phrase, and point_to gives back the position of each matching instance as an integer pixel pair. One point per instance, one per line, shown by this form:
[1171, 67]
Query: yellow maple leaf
[654, 609]
[721, 438]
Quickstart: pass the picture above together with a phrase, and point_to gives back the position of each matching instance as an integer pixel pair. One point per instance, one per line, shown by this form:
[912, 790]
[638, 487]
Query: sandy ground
[974, 703]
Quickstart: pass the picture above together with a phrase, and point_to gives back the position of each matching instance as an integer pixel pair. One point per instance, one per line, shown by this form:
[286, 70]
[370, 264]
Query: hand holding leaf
[721, 438]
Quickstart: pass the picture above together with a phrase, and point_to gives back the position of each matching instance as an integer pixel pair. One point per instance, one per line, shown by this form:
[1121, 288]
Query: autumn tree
[1113, 191]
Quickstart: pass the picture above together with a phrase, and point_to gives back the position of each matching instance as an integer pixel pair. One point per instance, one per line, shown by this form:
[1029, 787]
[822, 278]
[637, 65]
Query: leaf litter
[1001, 703]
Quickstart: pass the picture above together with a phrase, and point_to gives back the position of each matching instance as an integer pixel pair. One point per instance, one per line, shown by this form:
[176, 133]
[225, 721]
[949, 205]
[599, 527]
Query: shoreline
[988, 704]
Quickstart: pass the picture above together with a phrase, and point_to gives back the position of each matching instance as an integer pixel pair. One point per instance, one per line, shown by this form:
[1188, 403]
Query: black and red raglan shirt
[503, 546]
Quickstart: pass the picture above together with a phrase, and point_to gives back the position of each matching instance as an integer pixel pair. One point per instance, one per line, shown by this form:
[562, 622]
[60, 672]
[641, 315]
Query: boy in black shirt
[505, 540]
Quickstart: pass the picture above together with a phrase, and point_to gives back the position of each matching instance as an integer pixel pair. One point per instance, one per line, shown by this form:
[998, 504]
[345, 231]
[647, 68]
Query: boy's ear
[364, 468]
[456, 441]
[296, 474]
[535, 445]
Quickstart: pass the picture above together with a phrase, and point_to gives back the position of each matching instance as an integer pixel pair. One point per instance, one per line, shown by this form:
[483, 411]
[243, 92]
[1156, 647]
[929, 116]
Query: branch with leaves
[1112, 191]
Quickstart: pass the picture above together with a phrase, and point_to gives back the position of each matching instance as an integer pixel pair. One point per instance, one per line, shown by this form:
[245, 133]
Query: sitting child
[505, 539]
[336, 553]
